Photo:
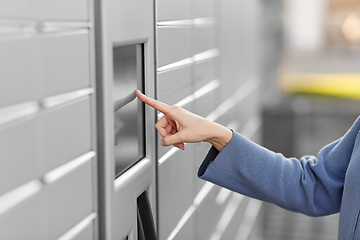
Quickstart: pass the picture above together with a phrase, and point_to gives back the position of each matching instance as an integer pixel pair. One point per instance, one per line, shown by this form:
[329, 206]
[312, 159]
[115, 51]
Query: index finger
[160, 106]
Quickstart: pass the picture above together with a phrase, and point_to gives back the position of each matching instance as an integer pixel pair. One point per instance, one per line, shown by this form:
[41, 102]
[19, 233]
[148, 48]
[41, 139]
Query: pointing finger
[162, 107]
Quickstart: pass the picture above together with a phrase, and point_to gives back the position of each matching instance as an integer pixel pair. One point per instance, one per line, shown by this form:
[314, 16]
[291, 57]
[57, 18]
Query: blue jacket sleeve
[309, 185]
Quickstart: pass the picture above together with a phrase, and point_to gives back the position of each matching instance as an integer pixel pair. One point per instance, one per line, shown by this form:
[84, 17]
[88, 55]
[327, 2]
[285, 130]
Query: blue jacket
[315, 186]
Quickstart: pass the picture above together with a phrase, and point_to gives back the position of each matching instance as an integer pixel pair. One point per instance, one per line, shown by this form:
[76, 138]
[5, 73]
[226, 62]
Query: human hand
[179, 126]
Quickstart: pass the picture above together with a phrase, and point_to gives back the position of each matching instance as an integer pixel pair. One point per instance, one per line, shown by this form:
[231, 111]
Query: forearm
[311, 185]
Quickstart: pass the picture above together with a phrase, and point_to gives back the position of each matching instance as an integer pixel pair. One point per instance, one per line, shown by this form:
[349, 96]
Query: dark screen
[128, 111]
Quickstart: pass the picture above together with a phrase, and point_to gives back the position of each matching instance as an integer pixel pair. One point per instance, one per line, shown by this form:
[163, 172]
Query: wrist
[220, 137]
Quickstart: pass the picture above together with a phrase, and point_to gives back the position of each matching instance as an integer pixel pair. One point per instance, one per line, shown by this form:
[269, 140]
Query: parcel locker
[85, 150]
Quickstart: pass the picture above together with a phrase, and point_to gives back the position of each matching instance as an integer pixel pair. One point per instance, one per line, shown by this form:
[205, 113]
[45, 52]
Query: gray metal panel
[187, 231]
[64, 134]
[173, 86]
[61, 10]
[233, 227]
[204, 8]
[205, 38]
[56, 10]
[67, 201]
[173, 10]
[130, 21]
[18, 154]
[208, 214]
[204, 73]
[205, 105]
[22, 221]
[175, 191]
[174, 44]
[128, 187]
[86, 234]
[16, 8]
[18, 70]
[65, 61]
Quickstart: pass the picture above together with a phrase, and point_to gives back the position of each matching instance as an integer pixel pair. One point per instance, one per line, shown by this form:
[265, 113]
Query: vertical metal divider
[194, 108]
[104, 185]
[155, 120]
[95, 166]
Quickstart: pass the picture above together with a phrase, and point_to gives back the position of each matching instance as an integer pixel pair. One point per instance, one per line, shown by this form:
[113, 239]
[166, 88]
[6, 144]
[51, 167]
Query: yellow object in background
[345, 85]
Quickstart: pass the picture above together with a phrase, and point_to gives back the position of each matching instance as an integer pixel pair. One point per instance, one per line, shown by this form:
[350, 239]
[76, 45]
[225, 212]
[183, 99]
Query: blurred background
[312, 68]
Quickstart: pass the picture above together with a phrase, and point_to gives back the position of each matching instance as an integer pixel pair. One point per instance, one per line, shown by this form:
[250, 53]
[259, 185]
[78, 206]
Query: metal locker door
[126, 135]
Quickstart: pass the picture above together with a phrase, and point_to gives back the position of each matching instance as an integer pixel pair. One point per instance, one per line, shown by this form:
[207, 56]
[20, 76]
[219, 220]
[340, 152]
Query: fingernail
[162, 142]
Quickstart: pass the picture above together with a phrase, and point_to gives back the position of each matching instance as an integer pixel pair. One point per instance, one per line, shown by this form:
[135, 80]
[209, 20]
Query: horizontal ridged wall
[47, 121]
[207, 63]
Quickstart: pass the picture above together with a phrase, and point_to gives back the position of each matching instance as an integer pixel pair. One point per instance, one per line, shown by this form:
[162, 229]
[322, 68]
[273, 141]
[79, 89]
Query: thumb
[170, 140]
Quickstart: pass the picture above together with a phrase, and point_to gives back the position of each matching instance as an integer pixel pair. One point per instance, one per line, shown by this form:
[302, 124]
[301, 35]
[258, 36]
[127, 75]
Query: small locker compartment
[174, 44]
[67, 200]
[65, 62]
[64, 133]
[174, 86]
